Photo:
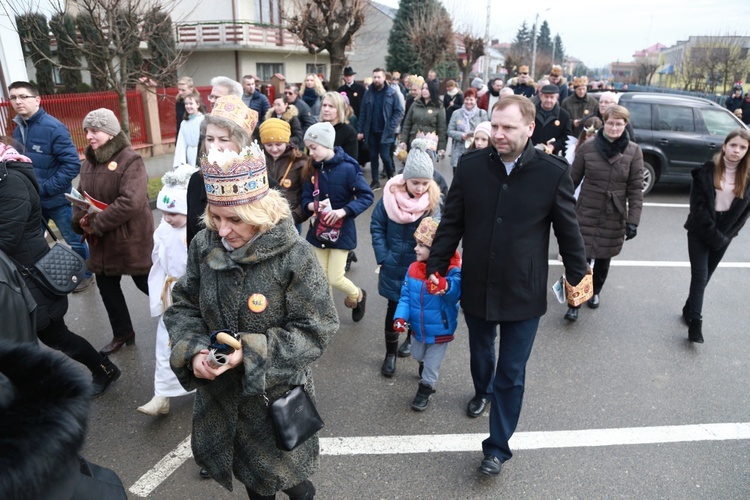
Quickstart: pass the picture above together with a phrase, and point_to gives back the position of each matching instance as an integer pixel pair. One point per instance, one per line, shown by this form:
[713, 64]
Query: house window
[315, 69]
[266, 70]
[267, 12]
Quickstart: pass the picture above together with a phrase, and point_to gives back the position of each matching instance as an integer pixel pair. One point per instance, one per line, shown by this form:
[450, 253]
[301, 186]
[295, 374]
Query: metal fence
[71, 109]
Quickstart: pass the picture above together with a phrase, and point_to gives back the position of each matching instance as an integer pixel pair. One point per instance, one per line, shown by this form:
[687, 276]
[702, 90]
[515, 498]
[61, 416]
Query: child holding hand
[430, 310]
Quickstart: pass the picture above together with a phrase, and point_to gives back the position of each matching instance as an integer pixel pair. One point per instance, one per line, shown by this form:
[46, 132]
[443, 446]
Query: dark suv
[676, 133]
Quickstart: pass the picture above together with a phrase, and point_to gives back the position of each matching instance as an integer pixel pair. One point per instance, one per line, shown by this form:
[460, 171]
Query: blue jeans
[382, 149]
[62, 216]
[502, 382]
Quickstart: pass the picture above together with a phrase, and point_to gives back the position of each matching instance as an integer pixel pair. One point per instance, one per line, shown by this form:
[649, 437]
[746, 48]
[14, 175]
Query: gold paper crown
[580, 82]
[426, 231]
[233, 109]
[556, 70]
[523, 69]
[235, 179]
[430, 137]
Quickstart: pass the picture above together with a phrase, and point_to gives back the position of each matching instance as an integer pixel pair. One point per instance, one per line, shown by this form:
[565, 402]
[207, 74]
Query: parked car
[676, 133]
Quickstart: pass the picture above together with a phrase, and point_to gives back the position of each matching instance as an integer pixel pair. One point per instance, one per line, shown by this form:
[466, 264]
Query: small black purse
[59, 271]
[295, 419]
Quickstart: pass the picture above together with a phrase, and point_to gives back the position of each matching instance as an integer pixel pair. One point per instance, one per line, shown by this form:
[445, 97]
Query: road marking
[660, 263]
[442, 443]
[162, 470]
[667, 205]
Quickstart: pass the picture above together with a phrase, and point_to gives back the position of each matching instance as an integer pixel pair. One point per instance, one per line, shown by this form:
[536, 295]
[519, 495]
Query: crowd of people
[233, 253]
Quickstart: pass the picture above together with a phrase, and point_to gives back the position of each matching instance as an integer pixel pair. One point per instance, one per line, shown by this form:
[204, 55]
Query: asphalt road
[626, 368]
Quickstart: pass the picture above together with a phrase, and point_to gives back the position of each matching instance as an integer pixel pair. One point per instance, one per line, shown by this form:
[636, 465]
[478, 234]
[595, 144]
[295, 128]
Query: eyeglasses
[614, 125]
[21, 97]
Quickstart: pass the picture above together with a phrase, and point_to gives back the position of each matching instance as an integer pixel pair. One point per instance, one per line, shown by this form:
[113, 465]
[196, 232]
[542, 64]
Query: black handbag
[59, 271]
[295, 419]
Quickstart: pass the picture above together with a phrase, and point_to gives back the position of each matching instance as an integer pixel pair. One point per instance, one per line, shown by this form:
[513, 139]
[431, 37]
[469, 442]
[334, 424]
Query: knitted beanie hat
[418, 162]
[275, 130]
[485, 127]
[477, 83]
[173, 196]
[321, 133]
[102, 119]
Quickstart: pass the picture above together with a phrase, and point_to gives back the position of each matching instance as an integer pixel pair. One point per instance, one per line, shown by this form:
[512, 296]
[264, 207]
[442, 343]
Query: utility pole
[487, 46]
[533, 50]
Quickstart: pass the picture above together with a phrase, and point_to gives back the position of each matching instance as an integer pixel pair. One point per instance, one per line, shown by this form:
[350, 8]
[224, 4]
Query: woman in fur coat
[252, 274]
[611, 198]
[719, 208]
[121, 235]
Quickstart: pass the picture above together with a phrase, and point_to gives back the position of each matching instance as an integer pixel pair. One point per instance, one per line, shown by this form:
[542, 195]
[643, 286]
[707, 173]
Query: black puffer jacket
[21, 235]
[702, 217]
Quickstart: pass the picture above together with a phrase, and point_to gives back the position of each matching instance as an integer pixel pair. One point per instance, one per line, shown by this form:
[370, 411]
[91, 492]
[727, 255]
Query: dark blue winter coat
[432, 318]
[47, 142]
[341, 180]
[394, 244]
[392, 114]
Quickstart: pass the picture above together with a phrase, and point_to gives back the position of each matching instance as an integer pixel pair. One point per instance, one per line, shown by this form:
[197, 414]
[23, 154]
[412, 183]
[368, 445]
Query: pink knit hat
[485, 127]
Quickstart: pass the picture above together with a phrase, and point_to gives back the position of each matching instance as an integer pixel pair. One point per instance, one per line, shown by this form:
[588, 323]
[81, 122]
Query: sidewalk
[156, 166]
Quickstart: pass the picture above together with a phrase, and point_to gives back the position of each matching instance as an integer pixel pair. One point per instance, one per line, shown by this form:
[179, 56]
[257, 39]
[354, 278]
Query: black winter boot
[103, 376]
[391, 348]
[422, 399]
[695, 331]
[405, 350]
[686, 313]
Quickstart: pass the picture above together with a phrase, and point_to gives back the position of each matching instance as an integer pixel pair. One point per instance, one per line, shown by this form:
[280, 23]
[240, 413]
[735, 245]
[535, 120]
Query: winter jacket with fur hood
[611, 194]
[702, 217]
[115, 174]
[232, 432]
[291, 116]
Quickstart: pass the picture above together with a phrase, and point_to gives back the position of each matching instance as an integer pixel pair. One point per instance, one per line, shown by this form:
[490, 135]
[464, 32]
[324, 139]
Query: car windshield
[719, 122]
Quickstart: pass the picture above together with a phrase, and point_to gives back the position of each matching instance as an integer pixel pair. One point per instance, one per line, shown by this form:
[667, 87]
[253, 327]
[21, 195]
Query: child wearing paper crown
[430, 310]
[169, 260]
[407, 198]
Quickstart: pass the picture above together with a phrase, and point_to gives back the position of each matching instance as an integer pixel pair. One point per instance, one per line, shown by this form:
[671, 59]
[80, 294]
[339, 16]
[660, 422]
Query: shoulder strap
[316, 193]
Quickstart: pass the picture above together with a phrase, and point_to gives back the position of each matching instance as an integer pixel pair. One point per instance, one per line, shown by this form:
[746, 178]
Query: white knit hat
[173, 196]
[418, 162]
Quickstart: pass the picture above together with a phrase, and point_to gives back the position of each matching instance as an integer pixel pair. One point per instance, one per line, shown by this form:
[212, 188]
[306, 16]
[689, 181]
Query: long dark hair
[740, 179]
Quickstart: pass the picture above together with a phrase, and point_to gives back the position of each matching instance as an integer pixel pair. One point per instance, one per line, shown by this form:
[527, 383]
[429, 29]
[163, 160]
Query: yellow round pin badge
[355, 94]
[257, 303]
[112, 166]
[586, 111]
[286, 183]
[557, 123]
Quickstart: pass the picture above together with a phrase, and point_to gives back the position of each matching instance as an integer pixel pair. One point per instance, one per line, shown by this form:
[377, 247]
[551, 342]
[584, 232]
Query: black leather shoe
[695, 331]
[389, 365]
[203, 473]
[572, 314]
[594, 301]
[476, 406]
[106, 373]
[117, 343]
[490, 465]
[405, 350]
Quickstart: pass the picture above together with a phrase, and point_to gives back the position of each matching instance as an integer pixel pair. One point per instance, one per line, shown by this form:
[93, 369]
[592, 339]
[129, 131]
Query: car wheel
[649, 177]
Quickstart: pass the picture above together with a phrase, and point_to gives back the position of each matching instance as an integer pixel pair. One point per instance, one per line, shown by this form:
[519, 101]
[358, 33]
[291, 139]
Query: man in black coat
[501, 203]
[551, 122]
[353, 90]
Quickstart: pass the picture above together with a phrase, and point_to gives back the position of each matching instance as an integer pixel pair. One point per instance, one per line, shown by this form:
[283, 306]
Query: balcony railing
[242, 34]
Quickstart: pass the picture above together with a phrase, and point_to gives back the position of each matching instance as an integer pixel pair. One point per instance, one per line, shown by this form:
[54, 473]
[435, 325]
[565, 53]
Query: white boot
[158, 405]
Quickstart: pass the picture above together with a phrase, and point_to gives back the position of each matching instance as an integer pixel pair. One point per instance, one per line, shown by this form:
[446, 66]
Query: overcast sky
[600, 33]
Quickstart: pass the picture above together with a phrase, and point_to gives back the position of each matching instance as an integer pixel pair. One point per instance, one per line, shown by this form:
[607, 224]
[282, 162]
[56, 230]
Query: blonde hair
[319, 88]
[433, 193]
[339, 103]
[263, 214]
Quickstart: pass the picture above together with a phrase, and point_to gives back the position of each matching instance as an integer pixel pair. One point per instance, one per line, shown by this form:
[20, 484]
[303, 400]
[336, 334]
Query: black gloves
[631, 230]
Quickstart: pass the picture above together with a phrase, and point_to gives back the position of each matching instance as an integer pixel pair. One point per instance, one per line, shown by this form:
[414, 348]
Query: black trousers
[57, 336]
[114, 301]
[600, 270]
[703, 263]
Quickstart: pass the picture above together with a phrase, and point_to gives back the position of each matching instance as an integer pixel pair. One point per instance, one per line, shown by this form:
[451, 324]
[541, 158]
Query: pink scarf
[9, 153]
[401, 207]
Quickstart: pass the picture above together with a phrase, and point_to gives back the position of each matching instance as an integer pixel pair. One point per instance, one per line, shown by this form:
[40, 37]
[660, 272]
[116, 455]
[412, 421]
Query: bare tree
[431, 35]
[326, 25]
[474, 49]
[645, 72]
[112, 33]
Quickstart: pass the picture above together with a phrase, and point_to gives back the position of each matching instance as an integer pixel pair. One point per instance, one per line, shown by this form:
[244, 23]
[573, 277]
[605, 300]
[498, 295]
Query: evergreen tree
[34, 34]
[401, 54]
[559, 50]
[161, 44]
[544, 40]
[97, 51]
[63, 26]
[522, 44]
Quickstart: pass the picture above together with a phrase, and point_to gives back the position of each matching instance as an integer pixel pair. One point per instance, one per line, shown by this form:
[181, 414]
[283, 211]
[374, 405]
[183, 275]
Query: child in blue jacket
[430, 310]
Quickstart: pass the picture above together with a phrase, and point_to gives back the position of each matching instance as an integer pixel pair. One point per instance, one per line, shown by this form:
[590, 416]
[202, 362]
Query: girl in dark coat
[343, 194]
[122, 235]
[719, 208]
[22, 239]
[407, 199]
[611, 198]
